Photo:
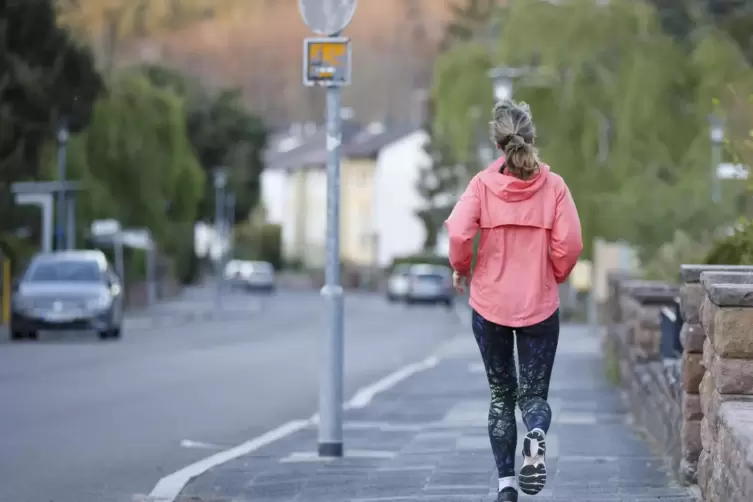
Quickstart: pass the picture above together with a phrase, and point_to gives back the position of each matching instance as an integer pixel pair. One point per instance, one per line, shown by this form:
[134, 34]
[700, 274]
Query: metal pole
[151, 284]
[48, 216]
[716, 126]
[119, 260]
[230, 224]
[219, 204]
[716, 160]
[61, 196]
[331, 367]
[71, 230]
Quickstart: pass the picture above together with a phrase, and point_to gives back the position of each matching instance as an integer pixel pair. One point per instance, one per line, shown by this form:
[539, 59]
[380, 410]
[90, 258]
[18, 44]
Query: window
[64, 271]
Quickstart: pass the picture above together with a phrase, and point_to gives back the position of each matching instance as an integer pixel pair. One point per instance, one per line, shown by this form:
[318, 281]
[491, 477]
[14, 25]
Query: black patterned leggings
[537, 346]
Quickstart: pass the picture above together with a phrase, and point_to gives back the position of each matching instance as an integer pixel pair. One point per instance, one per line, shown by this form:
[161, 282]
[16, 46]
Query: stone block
[712, 400]
[649, 318]
[733, 332]
[691, 407]
[647, 342]
[707, 389]
[691, 440]
[692, 337]
[708, 354]
[708, 311]
[735, 451]
[692, 272]
[691, 297]
[692, 371]
[649, 292]
[688, 472]
[703, 472]
[732, 376]
[706, 435]
[709, 277]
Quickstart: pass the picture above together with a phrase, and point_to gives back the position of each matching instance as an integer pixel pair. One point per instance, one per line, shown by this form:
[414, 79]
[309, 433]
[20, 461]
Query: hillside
[259, 49]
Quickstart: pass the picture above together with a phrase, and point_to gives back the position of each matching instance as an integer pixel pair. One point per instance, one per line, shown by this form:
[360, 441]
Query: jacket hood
[509, 188]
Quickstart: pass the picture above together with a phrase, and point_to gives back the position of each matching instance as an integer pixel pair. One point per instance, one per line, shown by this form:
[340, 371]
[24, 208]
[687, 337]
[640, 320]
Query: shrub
[665, 264]
[431, 259]
[734, 249]
[261, 241]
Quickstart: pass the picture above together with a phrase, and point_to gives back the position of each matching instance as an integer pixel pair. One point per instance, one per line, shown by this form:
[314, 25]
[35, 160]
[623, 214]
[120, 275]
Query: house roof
[372, 138]
[294, 150]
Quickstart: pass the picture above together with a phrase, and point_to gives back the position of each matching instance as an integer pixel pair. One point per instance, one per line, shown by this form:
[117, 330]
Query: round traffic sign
[327, 17]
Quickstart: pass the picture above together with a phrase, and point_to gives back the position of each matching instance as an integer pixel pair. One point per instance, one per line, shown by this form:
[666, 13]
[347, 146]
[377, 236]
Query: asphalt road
[88, 421]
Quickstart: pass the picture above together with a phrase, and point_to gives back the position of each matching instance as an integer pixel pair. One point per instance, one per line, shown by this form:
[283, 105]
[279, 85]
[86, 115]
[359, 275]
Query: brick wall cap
[692, 272]
[730, 295]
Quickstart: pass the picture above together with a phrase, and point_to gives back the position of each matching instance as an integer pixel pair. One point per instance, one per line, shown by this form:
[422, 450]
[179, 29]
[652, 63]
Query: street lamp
[503, 79]
[716, 130]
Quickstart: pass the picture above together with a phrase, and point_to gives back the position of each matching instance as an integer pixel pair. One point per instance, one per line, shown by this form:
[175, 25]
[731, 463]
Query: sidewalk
[426, 440]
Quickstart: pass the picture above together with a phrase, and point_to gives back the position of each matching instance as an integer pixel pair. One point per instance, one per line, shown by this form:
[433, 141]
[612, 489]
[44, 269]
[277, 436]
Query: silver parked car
[430, 284]
[251, 275]
[67, 290]
[398, 283]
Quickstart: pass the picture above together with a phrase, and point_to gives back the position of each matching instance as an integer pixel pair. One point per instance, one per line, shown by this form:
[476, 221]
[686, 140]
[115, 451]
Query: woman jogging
[530, 241]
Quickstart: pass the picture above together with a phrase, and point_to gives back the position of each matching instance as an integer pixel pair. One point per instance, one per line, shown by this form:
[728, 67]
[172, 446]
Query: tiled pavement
[426, 440]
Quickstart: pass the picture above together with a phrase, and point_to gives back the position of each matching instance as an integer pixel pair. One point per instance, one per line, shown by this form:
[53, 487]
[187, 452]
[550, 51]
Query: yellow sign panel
[326, 61]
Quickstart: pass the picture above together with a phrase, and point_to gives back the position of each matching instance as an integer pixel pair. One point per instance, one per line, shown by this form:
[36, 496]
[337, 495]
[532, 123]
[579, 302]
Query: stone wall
[698, 408]
[725, 465]
[652, 384]
[692, 294]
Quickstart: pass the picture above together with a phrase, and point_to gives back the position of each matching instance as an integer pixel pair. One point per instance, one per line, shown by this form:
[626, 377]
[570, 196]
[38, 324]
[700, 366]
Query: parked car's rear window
[64, 271]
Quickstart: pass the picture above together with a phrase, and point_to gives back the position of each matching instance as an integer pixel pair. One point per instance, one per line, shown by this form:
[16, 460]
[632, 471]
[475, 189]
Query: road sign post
[327, 62]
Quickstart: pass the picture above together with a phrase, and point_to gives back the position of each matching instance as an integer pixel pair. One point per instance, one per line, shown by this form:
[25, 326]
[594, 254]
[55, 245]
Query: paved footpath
[426, 440]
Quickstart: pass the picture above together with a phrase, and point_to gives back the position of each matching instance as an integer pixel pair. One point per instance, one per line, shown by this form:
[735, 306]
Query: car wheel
[32, 335]
[391, 299]
[17, 335]
[110, 333]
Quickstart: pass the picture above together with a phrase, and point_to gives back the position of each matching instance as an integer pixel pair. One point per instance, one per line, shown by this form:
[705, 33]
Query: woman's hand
[459, 282]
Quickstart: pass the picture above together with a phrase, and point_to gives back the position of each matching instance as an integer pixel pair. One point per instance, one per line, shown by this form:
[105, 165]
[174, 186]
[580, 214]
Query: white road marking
[310, 456]
[187, 443]
[169, 487]
[364, 396]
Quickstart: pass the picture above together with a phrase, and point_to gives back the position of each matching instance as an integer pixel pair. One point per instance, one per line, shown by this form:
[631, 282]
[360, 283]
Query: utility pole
[230, 225]
[220, 180]
[717, 141]
[61, 195]
[327, 62]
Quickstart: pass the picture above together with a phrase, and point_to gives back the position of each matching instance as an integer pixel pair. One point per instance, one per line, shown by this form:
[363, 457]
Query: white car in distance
[251, 275]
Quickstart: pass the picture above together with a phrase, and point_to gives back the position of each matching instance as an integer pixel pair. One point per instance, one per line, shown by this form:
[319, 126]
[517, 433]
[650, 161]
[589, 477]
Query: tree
[44, 75]
[610, 60]
[136, 162]
[439, 181]
[683, 18]
[222, 133]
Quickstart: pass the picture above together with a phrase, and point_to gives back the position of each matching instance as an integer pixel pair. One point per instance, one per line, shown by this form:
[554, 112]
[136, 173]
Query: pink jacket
[530, 242]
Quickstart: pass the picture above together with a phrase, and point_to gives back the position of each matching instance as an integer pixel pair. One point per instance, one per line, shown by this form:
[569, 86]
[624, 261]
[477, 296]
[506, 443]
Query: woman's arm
[462, 226]
[566, 237]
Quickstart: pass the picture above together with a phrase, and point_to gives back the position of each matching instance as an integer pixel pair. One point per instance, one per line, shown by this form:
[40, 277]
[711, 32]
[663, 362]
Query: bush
[259, 242]
[19, 251]
[735, 249]
[431, 259]
[665, 264]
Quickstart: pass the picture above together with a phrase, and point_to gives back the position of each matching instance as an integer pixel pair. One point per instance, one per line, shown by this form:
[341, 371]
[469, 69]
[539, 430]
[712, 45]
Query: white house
[396, 199]
[294, 192]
